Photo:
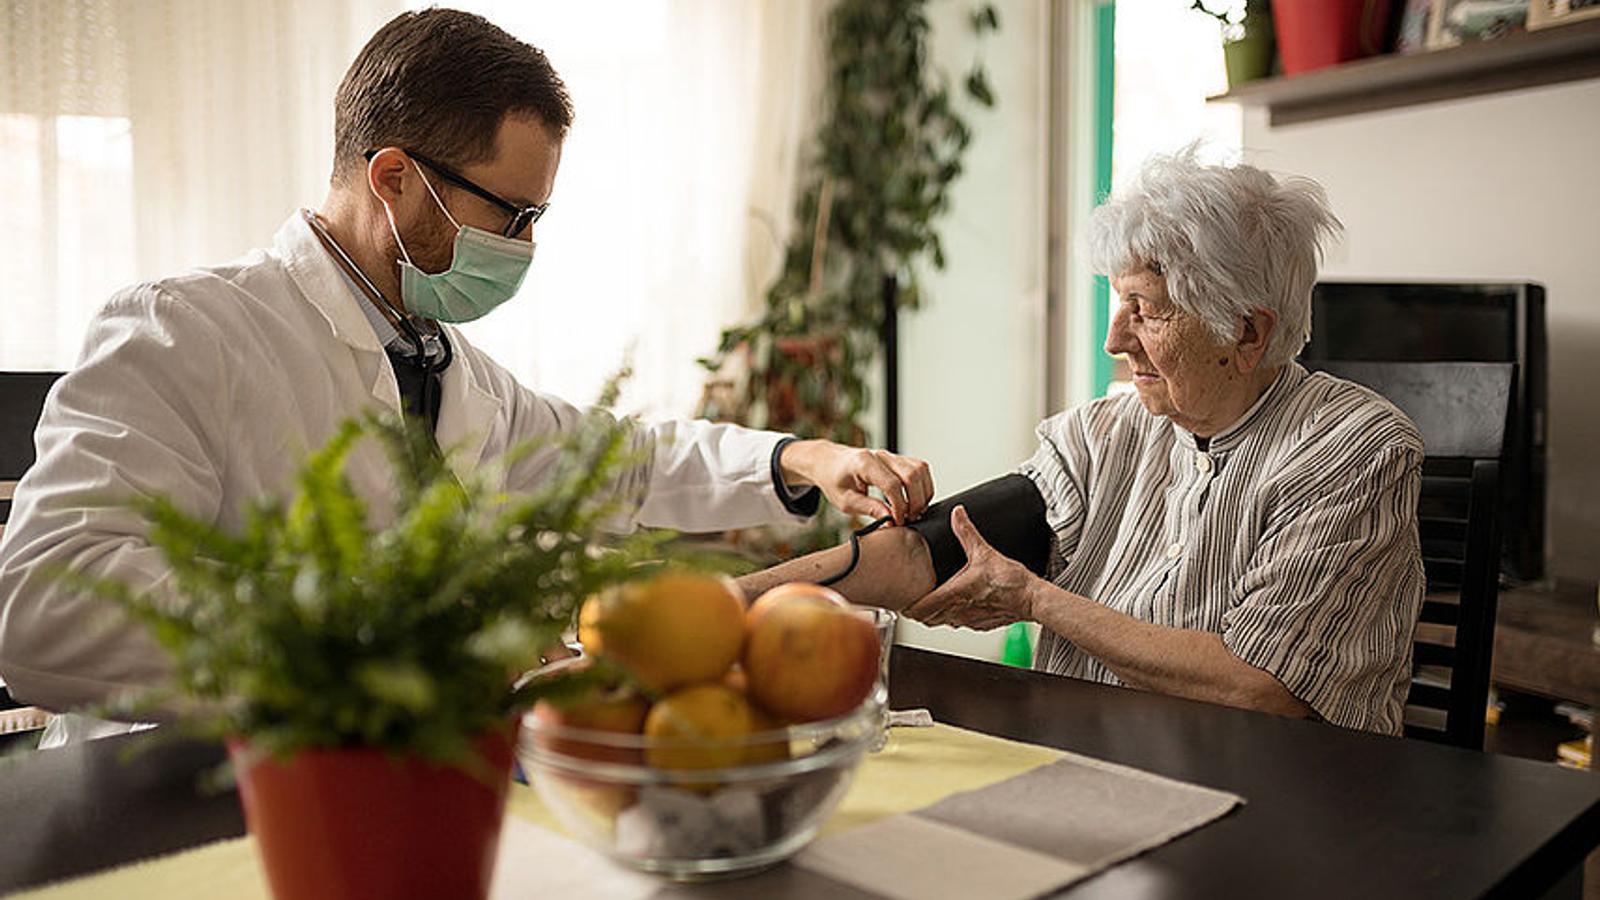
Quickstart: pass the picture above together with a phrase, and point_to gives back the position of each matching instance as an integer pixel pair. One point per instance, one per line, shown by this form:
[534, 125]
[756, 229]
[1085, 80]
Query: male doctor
[211, 385]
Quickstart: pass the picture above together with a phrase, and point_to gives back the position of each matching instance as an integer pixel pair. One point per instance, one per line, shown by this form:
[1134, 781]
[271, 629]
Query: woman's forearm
[1178, 661]
[893, 571]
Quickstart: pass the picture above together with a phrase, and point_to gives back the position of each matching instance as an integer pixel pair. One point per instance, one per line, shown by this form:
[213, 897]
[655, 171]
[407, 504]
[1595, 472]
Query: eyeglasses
[521, 216]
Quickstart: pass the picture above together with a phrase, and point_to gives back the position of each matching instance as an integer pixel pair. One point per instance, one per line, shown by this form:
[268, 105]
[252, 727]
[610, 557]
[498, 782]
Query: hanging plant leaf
[978, 86]
[986, 18]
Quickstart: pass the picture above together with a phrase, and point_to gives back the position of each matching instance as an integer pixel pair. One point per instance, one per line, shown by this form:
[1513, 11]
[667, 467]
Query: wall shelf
[1529, 59]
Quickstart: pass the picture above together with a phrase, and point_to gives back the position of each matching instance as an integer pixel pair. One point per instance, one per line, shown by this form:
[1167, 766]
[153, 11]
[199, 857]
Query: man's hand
[846, 473]
[991, 590]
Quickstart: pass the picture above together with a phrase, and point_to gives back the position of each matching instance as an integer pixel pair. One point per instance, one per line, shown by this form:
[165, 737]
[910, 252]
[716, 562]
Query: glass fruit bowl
[698, 823]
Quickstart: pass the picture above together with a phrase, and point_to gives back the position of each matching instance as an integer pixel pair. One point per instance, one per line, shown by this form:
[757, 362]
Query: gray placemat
[1084, 811]
[1029, 835]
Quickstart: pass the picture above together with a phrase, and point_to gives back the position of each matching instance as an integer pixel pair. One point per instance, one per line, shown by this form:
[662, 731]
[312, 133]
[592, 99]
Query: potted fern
[363, 676]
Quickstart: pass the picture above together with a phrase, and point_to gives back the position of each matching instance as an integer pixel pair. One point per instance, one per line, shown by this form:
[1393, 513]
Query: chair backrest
[1462, 410]
[22, 396]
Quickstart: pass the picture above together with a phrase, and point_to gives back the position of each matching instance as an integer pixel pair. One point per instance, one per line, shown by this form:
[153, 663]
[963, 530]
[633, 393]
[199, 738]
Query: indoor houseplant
[888, 148]
[362, 674]
[1248, 38]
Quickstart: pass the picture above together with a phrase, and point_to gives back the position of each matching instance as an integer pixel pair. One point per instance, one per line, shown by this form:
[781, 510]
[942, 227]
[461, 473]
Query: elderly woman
[1236, 529]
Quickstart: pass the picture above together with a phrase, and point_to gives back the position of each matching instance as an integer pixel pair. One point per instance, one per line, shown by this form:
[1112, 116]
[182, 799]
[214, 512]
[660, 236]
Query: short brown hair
[439, 82]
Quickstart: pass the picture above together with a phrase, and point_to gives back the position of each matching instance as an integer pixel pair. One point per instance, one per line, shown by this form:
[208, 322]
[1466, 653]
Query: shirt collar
[389, 336]
[1228, 438]
[316, 275]
[319, 277]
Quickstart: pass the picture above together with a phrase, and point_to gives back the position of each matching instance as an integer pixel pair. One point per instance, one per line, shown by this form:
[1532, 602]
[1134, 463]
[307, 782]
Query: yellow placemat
[226, 870]
[919, 767]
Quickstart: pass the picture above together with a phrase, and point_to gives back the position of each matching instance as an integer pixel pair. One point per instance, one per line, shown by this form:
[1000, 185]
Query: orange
[698, 727]
[673, 629]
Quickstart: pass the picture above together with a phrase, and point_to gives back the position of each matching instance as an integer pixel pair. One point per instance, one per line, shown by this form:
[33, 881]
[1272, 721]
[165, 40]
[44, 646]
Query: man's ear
[1254, 337]
[386, 174]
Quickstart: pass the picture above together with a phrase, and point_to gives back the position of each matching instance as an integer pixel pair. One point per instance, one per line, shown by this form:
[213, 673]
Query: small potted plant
[1248, 39]
[364, 676]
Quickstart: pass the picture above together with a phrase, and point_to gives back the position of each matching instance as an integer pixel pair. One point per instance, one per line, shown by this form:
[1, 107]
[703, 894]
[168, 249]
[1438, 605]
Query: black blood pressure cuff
[1009, 513]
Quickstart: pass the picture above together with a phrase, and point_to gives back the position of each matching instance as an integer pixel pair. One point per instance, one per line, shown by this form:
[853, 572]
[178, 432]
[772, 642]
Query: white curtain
[675, 191]
[232, 111]
[64, 162]
[141, 137]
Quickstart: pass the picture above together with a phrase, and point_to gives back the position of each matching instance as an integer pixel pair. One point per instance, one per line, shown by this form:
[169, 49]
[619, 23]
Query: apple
[808, 653]
[616, 711]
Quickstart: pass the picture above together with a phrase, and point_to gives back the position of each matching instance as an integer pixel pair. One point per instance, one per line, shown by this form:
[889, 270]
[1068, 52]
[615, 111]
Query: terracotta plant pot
[357, 824]
[1315, 34]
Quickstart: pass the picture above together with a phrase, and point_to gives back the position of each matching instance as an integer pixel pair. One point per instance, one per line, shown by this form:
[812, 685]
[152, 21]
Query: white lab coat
[210, 387]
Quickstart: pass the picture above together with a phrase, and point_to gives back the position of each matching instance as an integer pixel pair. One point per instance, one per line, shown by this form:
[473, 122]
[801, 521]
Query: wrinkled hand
[846, 474]
[991, 590]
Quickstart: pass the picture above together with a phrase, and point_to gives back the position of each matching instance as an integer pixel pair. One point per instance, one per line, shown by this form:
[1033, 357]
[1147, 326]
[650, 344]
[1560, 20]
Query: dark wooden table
[1544, 645]
[1330, 813]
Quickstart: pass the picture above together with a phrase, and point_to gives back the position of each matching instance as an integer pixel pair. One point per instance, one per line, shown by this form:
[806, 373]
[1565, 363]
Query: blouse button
[1175, 551]
[1203, 463]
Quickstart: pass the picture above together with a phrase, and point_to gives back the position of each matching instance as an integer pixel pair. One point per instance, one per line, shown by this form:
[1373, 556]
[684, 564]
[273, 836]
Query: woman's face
[1179, 369]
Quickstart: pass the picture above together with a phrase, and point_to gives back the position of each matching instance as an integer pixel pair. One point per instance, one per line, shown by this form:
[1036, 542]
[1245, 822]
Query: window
[67, 242]
[643, 252]
[1168, 60]
[650, 244]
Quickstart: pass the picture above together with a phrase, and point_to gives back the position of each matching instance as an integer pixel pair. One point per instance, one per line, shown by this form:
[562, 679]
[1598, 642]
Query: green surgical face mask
[484, 272]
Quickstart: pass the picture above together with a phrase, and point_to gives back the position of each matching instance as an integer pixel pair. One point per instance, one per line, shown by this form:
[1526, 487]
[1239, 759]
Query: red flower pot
[1314, 34]
[357, 824]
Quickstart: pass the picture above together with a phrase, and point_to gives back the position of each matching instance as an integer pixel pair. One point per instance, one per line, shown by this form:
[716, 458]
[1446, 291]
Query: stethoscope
[429, 367]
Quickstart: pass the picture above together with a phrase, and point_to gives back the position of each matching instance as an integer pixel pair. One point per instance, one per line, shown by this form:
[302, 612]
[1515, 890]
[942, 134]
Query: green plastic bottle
[1018, 648]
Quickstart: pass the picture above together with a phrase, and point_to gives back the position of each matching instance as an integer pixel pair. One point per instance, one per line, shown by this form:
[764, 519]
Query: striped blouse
[1293, 535]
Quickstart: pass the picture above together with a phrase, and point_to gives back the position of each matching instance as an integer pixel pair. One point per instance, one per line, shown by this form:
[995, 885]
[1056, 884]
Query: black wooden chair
[1462, 410]
[22, 396]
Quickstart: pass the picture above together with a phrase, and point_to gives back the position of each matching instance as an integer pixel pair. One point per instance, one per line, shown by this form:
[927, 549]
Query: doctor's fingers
[875, 472]
[916, 478]
[857, 502]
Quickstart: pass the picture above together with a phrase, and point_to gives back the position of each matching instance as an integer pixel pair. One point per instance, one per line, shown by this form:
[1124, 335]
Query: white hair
[1228, 240]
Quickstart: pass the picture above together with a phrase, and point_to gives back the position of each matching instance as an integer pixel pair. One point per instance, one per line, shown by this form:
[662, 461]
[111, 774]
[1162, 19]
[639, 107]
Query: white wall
[972, 369]
[1503, 187]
